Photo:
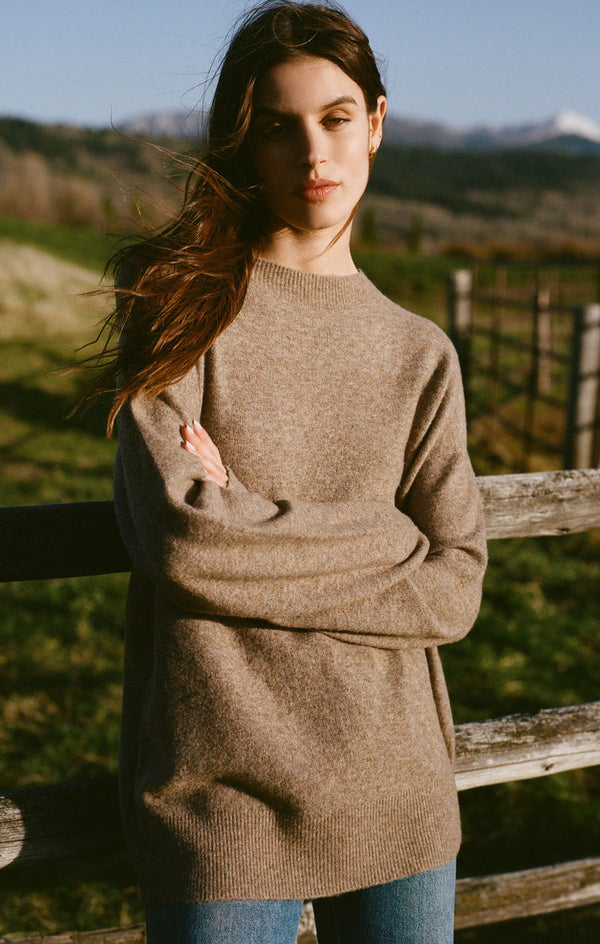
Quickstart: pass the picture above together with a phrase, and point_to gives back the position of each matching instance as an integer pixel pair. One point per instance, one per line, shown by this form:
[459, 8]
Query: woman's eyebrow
[342, 100]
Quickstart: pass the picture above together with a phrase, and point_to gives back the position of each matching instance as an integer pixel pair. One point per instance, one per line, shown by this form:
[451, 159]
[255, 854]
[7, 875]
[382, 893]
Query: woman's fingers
[197, 442]
[202, 444]
[212, 471]
[197, 435]
[207, 460]
[206, 441]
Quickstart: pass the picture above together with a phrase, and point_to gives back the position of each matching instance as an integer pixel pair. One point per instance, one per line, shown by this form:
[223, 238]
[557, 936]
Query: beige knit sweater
[286, 726]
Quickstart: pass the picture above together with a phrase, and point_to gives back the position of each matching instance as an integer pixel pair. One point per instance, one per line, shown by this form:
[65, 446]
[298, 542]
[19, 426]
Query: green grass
[83, 246]
[535, 645]
[45, 457]
[416, 282]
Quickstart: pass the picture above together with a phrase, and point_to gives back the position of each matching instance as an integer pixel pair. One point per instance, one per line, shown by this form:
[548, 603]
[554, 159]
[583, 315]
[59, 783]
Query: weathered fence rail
[47, 823]
[44, 824]
[81, 539]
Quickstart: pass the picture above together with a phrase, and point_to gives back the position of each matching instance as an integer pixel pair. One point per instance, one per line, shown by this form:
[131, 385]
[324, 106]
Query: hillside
[83, 177]
[42, 296]
[539, 200]
[524, 200]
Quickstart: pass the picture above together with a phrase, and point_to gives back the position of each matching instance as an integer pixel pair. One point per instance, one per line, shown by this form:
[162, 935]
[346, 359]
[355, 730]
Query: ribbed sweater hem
[258, 856]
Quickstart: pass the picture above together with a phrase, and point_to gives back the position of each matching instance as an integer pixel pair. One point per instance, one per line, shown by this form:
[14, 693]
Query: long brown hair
[179, 289]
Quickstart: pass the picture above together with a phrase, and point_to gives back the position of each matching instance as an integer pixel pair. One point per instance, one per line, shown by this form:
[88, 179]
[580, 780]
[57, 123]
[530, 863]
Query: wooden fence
[531, 365]
[44, 824]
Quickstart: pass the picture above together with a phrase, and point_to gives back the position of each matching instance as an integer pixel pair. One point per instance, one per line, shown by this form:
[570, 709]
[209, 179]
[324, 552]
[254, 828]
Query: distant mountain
[568, 132]
[165, 124]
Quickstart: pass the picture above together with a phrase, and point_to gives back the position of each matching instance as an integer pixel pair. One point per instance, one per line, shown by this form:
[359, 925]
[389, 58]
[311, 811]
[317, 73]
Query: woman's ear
[376, 123]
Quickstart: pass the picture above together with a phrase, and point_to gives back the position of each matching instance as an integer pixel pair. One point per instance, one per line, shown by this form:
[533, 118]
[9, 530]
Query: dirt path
[41, 295]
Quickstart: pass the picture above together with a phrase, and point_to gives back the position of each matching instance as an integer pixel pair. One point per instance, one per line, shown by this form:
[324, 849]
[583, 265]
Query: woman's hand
[196, 441]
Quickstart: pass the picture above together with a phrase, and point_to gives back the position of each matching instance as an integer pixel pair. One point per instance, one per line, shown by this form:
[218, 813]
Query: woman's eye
[274, 129]
[336, 121]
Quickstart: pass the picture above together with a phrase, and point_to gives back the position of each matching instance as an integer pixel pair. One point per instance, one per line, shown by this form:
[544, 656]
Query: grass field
[535, 643]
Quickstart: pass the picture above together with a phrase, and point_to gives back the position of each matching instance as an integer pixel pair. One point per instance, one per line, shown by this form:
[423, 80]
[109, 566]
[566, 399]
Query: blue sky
[462, 62]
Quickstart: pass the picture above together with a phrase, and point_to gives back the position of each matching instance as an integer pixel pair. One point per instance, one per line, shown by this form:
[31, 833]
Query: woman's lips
[315, 191]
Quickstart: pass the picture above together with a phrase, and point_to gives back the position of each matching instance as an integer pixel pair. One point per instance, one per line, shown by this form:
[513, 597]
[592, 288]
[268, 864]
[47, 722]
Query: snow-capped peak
[570, 122]
[565, 124]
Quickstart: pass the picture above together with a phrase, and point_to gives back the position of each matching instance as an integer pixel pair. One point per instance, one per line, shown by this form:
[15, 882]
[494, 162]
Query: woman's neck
[312, 252]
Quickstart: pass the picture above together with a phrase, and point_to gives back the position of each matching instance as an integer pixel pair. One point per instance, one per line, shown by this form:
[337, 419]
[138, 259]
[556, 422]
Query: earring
[372, 152]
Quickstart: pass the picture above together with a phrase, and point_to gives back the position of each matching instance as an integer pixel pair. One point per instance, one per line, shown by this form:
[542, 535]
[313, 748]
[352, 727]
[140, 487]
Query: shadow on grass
[37, 407]
[59, 684]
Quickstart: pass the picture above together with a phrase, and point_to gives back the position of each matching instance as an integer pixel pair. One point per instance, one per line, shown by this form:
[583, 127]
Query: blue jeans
[415, 910]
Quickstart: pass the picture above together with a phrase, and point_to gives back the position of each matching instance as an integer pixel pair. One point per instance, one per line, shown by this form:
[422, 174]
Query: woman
[293, 486]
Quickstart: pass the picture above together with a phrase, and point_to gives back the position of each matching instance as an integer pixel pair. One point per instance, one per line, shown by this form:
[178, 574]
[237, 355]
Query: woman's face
[311, 135]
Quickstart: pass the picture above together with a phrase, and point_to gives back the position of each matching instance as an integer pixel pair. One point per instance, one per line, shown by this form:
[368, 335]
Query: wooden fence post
[460, 292]
[543, 339]
[584, 387]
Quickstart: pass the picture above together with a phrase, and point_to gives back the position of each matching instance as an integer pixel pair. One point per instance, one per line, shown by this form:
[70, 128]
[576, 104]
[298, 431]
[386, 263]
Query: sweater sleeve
[435, 599]
[369, 572]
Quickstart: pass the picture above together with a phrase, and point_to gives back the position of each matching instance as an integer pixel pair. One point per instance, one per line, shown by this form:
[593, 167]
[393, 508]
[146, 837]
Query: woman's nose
[310, 147]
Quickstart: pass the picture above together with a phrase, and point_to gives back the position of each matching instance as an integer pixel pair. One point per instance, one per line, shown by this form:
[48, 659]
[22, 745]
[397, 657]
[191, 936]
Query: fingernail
[197, 424]
[189, 447]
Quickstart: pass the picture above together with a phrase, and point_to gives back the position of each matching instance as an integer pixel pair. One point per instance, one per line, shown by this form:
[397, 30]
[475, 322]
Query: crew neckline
[311, 287]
